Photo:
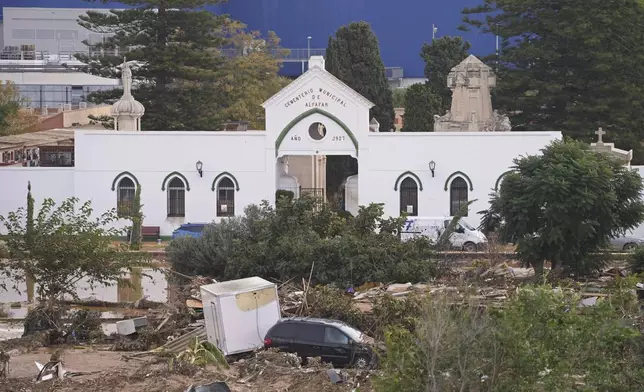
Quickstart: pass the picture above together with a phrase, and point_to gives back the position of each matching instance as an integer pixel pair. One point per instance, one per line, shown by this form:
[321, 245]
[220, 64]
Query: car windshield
[353, 333]
[466, 225]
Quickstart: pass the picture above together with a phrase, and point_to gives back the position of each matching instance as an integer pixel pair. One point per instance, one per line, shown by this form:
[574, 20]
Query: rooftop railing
[51, 61]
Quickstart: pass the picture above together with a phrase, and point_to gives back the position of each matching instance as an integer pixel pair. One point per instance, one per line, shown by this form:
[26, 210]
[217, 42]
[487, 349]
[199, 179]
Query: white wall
[251, 157]
[151, 156]
[482, 156]
[55, 183]
[316, 87]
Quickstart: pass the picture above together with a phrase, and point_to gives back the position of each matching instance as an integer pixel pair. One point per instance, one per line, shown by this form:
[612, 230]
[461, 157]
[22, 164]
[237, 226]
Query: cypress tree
[30, 216]
[421, 103]
[440, 56]
[353, 56]
[136, 215]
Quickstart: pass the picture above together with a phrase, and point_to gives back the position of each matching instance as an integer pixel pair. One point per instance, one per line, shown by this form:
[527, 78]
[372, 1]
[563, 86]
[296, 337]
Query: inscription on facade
[298, 138]
[316, 98]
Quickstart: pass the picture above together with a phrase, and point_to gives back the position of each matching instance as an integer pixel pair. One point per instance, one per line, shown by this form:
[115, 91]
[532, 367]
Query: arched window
[225, 197]
[125, 191]
[409, 197]
[457, 195]
[176, 198]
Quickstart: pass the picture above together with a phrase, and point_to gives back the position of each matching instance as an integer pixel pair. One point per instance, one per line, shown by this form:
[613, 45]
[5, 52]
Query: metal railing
[315, 193]
[63, 55]
[48, 67]
[296, 55]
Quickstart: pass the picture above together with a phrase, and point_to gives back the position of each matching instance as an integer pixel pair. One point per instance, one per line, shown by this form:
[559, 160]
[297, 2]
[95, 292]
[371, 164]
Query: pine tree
[440, 56]
[353, 56]
[181, 75]
[421, 103]
[569, 66]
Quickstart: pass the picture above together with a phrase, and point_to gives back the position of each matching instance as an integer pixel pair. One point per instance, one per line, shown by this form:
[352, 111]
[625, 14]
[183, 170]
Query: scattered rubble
[481, 283]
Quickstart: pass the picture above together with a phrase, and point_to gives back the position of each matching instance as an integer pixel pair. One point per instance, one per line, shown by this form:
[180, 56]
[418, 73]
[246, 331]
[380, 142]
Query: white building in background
[37, 45]
[50, 30]
[206, 176]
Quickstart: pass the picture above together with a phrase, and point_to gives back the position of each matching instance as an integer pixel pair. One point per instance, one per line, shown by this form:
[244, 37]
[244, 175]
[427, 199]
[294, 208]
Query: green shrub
[389, 311]
[285, 242]
[636, 261]
[289, 195]
[335, 304]
[542, 340]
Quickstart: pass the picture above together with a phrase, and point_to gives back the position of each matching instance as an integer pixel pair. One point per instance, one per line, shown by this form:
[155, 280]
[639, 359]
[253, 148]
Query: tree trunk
[538, 268]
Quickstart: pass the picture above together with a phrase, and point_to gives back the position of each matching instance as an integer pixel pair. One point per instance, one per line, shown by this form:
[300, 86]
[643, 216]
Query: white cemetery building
[205, 176]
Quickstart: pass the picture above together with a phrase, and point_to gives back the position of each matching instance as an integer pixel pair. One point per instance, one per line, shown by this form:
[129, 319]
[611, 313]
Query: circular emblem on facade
[317, 131]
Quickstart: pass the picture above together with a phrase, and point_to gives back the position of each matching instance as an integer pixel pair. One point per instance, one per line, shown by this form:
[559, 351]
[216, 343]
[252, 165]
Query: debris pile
[272, 364]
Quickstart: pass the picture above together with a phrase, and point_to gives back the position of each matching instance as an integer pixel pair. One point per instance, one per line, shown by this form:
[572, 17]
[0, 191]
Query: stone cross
[600, 133]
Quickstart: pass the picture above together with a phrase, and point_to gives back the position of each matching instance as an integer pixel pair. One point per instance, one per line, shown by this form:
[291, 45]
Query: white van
[465, 237]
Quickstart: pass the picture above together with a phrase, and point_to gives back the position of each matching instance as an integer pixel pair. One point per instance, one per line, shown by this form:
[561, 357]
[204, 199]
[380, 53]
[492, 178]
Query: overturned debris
[218, 386]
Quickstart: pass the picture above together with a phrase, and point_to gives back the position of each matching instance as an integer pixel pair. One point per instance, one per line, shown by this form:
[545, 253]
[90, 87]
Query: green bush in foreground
[564, 204]
[299, 236]
[636, 261]
[541, 341]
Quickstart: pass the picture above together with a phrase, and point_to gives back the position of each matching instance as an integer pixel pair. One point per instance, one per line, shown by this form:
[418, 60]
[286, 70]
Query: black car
[333, 341]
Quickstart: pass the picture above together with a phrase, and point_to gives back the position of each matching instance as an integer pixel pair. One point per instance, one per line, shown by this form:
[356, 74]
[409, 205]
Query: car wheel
[630, 247]
[361, 362]
[469, 247]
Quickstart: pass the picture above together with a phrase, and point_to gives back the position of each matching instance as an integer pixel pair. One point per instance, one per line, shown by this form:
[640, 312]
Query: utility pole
[497, 48]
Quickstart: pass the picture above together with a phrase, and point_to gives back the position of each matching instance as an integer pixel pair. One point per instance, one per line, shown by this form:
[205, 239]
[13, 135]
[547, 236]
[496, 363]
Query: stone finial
[127, 111]
[316, 61]
[374, 125]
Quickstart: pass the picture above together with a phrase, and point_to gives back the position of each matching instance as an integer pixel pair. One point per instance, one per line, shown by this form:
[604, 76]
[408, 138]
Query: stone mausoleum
[207, 176]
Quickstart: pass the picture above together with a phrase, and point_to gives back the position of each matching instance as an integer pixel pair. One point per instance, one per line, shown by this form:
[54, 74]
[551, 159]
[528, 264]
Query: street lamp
[199, 166]
[432, 166]
[308, 45]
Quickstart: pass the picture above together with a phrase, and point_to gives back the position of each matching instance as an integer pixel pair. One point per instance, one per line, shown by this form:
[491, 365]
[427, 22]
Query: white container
[128, 327]
[239, 313]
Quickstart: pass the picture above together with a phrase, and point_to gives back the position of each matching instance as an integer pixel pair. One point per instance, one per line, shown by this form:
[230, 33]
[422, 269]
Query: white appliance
[239, 313]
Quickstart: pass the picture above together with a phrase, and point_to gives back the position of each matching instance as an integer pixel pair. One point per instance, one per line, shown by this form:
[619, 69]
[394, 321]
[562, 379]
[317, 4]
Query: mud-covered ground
[109, 371]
